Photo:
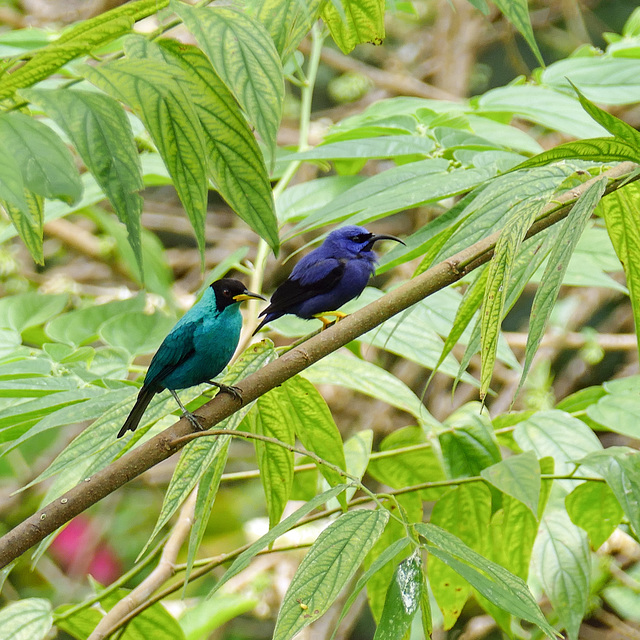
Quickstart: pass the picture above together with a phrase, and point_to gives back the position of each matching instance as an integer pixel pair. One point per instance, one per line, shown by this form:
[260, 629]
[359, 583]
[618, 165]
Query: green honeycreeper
[196, 350]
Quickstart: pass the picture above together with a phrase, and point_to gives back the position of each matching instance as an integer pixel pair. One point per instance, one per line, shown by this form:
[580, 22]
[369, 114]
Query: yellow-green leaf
[353, 22]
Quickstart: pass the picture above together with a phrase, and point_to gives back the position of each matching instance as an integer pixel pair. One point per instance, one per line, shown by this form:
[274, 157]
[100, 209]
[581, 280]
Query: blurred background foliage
[82, 316]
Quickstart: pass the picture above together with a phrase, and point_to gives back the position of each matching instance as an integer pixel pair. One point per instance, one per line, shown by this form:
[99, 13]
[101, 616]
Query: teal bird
[196, 350]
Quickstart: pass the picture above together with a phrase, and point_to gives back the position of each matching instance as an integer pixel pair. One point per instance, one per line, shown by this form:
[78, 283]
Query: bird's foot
[338, 315]
[235, 392]
[194, 420]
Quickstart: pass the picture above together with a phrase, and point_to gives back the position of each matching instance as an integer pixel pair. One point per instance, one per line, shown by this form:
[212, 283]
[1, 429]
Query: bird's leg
[191, 417]
[236, 392]
[338, 315]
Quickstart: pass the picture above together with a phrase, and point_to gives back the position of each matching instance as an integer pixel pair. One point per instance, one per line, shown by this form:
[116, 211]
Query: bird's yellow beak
[247, 295]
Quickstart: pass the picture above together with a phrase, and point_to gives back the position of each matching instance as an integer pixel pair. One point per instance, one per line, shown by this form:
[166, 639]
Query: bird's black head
[229, 291]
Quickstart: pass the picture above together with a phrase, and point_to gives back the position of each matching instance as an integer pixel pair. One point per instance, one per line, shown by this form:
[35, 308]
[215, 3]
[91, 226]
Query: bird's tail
[144, 398]
[267, 318]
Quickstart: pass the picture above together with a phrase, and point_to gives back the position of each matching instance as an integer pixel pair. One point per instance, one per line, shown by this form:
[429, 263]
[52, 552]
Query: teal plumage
[197, 349]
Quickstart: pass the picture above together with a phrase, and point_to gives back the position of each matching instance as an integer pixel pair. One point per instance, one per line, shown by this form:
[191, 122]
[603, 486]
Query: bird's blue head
[352, 241]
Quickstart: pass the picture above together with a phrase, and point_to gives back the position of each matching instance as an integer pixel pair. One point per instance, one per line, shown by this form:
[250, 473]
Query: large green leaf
[559, 435]
[244, 56]
[620, 467]
[287, 22]
[561, 557]
[493, 581]
[517, 476]
[450, 589]
[326, 569]
[617, 412]
[46, 165]
[517, 12]
[302, 406]
[236, 164]
[353, 22]
[275, 463]
[592, 506]
[28, 619]
[11, 183]
[468, 445]
[101, 132]
[547, 292]
[152, 90]
[619, 210]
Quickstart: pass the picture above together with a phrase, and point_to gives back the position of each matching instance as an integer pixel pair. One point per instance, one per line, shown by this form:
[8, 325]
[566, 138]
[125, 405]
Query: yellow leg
[338, 315]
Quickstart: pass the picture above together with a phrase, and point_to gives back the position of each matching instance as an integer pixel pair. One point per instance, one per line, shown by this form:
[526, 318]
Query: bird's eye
[360, 238]
[226, 293]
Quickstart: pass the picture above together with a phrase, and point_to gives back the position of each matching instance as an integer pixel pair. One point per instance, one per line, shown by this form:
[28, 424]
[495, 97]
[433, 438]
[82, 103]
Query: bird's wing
[306, 281]
[176, 348]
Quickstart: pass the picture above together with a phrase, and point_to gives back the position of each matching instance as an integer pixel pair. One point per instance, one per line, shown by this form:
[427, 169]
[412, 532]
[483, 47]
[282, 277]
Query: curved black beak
[247, 295]
[375, 239]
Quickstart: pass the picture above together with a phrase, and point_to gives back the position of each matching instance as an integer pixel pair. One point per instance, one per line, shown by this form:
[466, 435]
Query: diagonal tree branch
[57, 513]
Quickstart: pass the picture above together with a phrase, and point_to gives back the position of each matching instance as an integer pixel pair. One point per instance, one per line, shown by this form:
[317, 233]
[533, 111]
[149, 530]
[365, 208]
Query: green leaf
[617, 412]
[344, 369]
[244, 559]
[101, 132]
[28, 619]
[563, 564]
[559, 435]
[624, 230]
[592, 149]
[275, 463]
[302, 406]
[380, 147]
[46, 164]
[287, 22]
[81, 326]
[327, 568]
[30, 309]
[236, 164]
[135, 331]
[547, 292]
[519, 477]
[493, 581]
[403, 599]
[404, 187]
[29, 223]
[592, 506]
[613, 125]
[248, 63]
[500, 269]
[411, 467]
[11, 183]
[620, 467]
[353, 22]
[470, 446]
[517, 12]
[157, 97]
[450, 589]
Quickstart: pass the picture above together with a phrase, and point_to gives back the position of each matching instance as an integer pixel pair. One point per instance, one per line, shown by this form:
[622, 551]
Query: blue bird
[328, 277]
[196, 350]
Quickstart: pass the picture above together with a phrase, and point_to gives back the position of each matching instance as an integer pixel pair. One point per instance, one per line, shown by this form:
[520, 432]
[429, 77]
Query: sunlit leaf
[28, 619]
[353, 22]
